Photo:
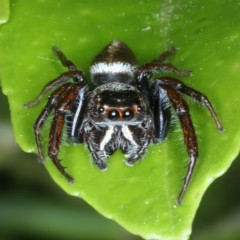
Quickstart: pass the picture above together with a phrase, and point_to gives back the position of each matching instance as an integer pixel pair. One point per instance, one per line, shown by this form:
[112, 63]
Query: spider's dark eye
[139, 109]
[127, 114]
[100, 109]
[113, 115]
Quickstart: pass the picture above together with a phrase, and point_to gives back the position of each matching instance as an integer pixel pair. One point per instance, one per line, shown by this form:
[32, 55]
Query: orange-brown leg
[181, 87]
[63, 78]
[52, 101]
[57, 126]
[181, 108]
[145, 72]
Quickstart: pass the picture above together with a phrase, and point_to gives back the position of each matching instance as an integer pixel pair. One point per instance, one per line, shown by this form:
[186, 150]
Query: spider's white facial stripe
[112, 68]
[80, 104]
[107, 137]
[128, 135]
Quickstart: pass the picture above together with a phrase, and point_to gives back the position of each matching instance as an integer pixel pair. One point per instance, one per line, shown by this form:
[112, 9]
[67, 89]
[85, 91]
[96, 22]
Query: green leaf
[4, 11]
[142, 198]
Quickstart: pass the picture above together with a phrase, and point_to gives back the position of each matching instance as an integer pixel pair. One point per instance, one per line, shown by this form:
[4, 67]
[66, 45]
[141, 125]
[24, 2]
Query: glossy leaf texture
[4, 11]
[141, 198]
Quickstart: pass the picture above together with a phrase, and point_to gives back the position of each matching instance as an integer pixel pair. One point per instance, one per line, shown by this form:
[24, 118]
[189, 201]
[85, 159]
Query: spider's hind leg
[165, 55]
[73, 73]
[65, 62]
[146, 71]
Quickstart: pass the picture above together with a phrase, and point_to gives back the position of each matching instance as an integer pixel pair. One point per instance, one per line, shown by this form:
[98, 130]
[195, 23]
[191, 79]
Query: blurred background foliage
[32, 206]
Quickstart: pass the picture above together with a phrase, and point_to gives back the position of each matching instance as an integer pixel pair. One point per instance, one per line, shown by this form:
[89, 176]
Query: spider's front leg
[181, 108]
[61, 99]
[51, 104]
[198, 96]
[62, 109]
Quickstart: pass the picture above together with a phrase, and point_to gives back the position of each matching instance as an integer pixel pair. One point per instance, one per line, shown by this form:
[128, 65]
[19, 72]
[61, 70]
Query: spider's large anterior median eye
[113, 115]
[127, 114]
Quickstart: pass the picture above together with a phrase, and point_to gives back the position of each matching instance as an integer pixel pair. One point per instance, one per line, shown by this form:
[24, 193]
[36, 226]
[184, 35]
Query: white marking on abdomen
[115, 67]
[107, 137]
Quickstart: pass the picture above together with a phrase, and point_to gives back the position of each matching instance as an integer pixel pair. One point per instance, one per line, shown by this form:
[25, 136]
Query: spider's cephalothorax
[124, 110]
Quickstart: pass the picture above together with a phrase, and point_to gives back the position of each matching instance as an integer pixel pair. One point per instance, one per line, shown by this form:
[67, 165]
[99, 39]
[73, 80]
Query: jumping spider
[123, 111]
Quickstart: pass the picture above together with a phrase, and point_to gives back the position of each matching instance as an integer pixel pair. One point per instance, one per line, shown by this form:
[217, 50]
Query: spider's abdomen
[115, 63]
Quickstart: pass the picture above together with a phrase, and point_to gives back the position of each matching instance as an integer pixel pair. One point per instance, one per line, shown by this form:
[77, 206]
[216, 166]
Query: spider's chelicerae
[125, 110]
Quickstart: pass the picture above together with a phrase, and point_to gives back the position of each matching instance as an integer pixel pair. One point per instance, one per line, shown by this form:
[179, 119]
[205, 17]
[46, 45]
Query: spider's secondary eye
[128, 114]
[100, 109]
[113, 115]
[139, 109]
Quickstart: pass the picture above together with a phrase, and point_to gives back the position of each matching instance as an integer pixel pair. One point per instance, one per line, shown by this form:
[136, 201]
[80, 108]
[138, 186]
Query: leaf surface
[141, 198]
